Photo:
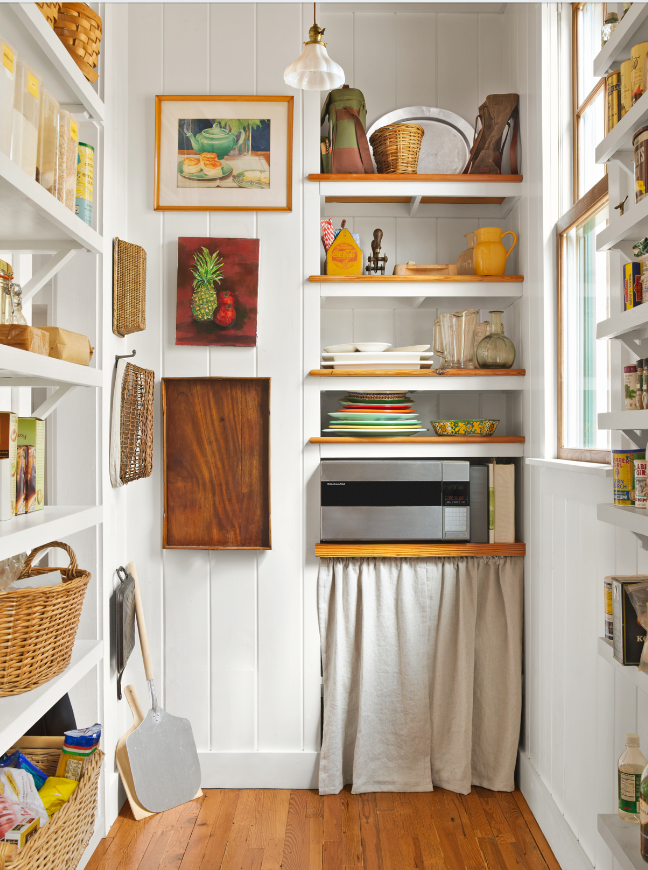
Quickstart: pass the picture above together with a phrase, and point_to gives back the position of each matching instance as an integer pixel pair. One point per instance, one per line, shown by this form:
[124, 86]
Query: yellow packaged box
[21, 833]
[69, 346]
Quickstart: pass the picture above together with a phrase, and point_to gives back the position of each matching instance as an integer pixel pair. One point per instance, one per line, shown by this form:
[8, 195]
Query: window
[583, 274]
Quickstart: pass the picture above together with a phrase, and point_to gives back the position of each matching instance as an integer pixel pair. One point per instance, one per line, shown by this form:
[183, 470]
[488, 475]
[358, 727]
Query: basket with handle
[79, 29]
[38, 626]
[60, 844]
[50, 11]
[396, 147]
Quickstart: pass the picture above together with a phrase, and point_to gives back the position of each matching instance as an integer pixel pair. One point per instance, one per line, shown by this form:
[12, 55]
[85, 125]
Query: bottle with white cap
[632, 763]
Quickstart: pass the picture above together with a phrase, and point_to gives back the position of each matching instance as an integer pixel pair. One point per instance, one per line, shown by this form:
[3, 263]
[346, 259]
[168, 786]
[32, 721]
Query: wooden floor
[259, 829]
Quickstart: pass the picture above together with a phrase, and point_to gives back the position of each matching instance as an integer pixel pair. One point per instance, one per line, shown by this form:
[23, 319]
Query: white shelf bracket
[414, 204]
[643, 540]
[53, 401]
[637, 436]
[46, 272]
[624, 163]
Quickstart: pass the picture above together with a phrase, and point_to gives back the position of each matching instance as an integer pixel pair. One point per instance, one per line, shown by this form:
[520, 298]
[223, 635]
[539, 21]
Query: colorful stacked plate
[374, 414]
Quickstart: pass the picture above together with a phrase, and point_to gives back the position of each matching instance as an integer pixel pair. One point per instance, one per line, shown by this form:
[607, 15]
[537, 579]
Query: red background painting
[240, 275]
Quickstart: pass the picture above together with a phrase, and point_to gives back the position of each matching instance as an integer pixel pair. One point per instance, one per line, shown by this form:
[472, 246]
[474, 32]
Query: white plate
[340, 348]
[408, 366]
[371, 346]
[411, 349]
[361, 357]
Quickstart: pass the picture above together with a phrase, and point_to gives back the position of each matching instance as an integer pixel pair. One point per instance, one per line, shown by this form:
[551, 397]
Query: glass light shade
[314, 70]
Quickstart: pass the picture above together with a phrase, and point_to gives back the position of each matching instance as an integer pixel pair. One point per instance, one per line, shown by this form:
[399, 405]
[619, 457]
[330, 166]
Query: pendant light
[314, 70]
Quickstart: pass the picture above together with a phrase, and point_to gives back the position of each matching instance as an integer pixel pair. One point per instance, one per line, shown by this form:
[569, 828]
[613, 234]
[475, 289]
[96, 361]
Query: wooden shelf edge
[416, 279]
[414, 550]
[417, 373]
[420, 439]
[450, 179]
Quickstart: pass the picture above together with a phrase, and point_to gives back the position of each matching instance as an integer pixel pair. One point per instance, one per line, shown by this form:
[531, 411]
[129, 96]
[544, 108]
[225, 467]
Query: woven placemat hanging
[129, 288]
[131, 434]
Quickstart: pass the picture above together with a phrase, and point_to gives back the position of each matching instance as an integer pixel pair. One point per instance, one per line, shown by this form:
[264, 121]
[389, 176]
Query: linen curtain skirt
[422, 664]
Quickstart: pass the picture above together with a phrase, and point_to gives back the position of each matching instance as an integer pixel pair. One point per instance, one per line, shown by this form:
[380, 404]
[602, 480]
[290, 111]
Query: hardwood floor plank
[315, 807]
[332, 854]
[491, 852]
[333, 817]
[136, 849]
[473, 858]
[126, 832]
[494, 815]
[421, 804]
[384, 801]
[209, 809]
[118, 822]
[181, 835]
[99, 852]
[523, 837]
[351, 837]
[316, 831]
[410, 853]
[390, 833]
[296, 853]
[536, 833]
[273, 854]
[252, 859]
[369, 833]
[275, 813]
[239, 831]
[221, 831]
[158, 843]
[255, 833]
[512, 856]
[475, 811]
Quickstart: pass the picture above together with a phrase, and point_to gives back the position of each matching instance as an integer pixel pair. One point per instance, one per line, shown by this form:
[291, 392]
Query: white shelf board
[620, 137]
[510, 190]
[623, 420]
[628, 228]
[428, 294]
[53, 523]
[630, 672]
[631, 518]
[617, 48]
[19, 712]
[631, 324]
[622, 839]
[29, 214]
[34, 369]
[408, 451]
[48, 42]
[415, 385]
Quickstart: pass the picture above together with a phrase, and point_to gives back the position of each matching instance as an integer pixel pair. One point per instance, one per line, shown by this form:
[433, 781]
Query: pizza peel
[161, 750]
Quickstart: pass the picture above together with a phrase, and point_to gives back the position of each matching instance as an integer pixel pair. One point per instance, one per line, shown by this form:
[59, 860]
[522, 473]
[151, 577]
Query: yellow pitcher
[489, 254]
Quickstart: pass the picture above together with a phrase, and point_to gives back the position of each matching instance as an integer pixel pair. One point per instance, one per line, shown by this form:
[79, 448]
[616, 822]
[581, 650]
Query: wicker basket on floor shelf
[396, 147]
[38, 626]
[50, 11]
[79, 29]
[60, 844]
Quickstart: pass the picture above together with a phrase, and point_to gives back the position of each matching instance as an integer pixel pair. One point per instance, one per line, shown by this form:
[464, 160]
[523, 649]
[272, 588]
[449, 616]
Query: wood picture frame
[247, 164]
[216, 455]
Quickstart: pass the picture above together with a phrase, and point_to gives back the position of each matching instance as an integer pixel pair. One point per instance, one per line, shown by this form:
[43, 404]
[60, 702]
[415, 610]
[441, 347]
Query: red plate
[378, 408]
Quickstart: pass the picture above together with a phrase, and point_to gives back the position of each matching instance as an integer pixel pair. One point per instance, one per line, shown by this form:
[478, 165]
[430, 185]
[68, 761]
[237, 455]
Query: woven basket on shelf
[60, 844]
[79, 29]
[396, 147]
[136, 424]
[129, 288]
[38, 626]
[50, 11]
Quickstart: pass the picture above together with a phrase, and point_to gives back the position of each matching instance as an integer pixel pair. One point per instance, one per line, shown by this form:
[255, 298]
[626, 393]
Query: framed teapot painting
[223, 153]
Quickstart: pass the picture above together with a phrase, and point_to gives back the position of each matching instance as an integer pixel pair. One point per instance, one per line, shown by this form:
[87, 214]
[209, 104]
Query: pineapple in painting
[208, 269]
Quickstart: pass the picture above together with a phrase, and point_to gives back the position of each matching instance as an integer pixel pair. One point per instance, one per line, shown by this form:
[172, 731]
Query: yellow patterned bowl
[464, 427]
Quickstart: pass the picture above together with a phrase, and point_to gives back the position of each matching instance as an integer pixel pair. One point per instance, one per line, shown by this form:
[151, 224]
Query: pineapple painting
[218, 285]
[207, 270]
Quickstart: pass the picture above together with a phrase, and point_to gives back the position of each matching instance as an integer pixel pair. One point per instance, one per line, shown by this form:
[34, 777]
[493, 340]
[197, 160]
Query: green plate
[371, 424]
[254, 185]
[360, 432]
[200, 176]
[349, 402]
[370, 418]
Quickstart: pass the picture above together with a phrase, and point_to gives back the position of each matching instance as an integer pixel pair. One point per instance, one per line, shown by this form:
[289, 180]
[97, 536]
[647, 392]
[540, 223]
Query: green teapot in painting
[214, 140]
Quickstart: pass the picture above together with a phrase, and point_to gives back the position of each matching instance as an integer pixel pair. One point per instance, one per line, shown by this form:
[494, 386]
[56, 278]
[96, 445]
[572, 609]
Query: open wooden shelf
[418, 550]
[421, 439]
[416, 279]
[406, 176]
[417, 373]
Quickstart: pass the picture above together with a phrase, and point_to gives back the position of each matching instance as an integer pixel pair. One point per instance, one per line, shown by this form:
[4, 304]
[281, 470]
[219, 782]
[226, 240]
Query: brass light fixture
[314, 70]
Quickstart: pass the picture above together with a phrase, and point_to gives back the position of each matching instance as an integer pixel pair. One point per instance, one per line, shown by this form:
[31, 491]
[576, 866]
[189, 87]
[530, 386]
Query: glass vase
[495, 351]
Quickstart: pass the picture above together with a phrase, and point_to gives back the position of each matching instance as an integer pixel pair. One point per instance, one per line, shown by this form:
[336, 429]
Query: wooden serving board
[414, 550]
[417, 373]
[420, 439]
[216, 463]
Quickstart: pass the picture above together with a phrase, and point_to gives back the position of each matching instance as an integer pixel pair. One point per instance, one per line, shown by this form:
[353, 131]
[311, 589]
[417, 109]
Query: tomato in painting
[225, 296]
[225, 314]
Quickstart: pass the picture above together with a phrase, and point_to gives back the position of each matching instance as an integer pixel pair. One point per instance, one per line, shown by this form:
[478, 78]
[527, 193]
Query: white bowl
[371, 346]
[341, 348]
[412, 347]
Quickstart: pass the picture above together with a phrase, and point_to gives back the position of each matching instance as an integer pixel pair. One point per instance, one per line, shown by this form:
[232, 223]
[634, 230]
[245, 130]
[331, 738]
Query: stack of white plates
[371, 360]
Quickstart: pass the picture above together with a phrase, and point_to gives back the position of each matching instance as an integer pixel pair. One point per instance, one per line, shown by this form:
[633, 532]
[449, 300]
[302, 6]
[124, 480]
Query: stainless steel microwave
[403, 500]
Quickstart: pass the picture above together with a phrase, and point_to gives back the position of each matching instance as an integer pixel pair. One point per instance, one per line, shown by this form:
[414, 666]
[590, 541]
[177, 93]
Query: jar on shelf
[8, 59]
[6, 283]
[46, 173]
[610, 25]
[24, 133]
[17, 313]
[496, 351]
[68, 146]
[630, 386]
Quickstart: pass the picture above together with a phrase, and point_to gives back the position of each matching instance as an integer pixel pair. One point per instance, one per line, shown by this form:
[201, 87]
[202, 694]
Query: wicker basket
[79, 29]
[50, 11]
[38, 626]
[63, 840]
[396, 147]
[129, 288]
[136, 423]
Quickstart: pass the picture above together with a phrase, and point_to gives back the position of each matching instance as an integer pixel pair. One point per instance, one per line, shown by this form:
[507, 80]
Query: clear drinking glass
[463, 327]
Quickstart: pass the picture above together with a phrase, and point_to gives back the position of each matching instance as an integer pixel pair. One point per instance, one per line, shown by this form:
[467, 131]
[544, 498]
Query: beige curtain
[422, 663]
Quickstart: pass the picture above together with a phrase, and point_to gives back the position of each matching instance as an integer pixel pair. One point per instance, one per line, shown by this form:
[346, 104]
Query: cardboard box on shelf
[7, 491]
[8, 443]
[31, 433]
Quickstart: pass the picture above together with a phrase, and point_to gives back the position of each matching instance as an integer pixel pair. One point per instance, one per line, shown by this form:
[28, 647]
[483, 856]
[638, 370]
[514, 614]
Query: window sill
[570, 465]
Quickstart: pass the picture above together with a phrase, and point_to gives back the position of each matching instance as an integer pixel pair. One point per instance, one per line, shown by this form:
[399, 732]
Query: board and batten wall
[234, 635]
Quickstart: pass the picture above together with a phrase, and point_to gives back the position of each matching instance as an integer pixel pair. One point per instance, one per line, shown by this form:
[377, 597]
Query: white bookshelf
[53, 523]
[632, 29]
[622, 838]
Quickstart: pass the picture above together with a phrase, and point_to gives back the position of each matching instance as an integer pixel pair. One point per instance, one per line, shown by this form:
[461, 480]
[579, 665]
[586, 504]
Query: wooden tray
[216, 463]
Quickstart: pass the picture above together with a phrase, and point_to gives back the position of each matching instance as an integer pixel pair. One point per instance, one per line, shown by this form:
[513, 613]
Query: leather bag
[347, 114]
[498, 114]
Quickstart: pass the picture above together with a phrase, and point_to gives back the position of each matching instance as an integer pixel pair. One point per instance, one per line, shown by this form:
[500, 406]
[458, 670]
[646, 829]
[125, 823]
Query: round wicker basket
[38, 626]
[50, 11]
[396, 147]
[79, 29]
